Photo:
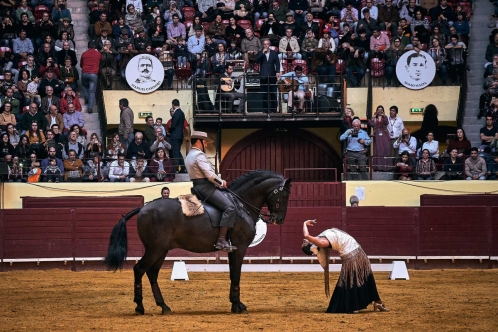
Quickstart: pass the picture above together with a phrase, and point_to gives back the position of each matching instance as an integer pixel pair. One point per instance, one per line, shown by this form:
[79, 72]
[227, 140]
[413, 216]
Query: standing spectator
[456, 51]
[357, 142]
[119, 170]
[159, 123]
[125, 122]
[73, 167]
[354, 63]
[72, 117]
[475, 166]
[406, 142]
[430, 122]
[453, 167]
[90, 63]
[269, 73]
[382, 148]
[49, 100]
[149, 132]
[176, 135]
[108, 65]
[426, 168]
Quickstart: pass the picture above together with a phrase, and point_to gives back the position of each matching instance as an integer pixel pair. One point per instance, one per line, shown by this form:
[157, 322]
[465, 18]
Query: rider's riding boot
[222, 243]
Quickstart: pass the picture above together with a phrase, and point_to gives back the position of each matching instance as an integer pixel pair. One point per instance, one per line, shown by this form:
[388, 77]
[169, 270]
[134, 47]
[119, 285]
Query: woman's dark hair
[63, 32]
[5, 103]
[430, 123]
[307, 249]
[160, 149]
[24, 71]
[24, 136]
[455, 138]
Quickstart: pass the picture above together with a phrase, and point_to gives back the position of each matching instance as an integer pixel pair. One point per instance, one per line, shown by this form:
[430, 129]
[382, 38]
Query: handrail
[313, 169]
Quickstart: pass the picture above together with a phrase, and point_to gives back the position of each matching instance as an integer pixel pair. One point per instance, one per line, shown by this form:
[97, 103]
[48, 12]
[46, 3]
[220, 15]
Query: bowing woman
[356, 287]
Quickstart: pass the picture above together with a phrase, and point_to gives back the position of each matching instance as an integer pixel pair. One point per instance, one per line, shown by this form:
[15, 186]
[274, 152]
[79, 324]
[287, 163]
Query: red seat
[225, 22]
[206, 27]
[259, 24]
[245, 24]
[257, 34]
[183, 73]
[388, 33]
[340, 66]
[429, 19]
[301, 63]
[157, 50]
[4, 49]
[423, 46]
[39, 10]
[274, 48]
[377, 67]
[22, 63]
[188, 13]
[25, 109]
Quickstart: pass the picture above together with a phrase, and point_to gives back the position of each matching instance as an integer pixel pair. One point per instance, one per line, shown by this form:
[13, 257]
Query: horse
[162, 226]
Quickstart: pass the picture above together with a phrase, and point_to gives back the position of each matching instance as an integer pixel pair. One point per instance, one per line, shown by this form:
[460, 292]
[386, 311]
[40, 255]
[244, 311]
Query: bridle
[280, 189]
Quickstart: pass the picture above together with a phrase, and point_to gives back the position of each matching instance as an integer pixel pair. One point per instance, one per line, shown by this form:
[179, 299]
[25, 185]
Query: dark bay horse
[162, 226]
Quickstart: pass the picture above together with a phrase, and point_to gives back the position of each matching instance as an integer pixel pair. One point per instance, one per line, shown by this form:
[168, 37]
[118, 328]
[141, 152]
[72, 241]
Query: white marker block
[399, 271]
[179, 271]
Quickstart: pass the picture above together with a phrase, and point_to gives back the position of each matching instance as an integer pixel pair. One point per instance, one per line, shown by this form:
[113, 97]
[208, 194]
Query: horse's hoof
[239, 309]
[139, 311]
[166, 310]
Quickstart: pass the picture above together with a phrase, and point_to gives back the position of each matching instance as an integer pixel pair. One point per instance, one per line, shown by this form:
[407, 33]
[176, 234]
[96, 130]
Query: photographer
[357, 142]
[406, 143]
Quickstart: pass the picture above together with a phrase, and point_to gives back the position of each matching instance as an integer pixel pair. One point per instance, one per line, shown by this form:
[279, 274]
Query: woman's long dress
[382, 144]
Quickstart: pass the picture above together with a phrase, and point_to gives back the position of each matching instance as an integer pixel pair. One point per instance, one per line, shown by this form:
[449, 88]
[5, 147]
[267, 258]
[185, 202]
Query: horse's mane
[240, 181]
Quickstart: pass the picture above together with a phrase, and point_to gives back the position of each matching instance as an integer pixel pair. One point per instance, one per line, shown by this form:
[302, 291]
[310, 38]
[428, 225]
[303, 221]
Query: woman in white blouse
[431, 145]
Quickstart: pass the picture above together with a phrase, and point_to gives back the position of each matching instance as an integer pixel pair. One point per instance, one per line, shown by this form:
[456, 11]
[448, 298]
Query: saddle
[215, 214]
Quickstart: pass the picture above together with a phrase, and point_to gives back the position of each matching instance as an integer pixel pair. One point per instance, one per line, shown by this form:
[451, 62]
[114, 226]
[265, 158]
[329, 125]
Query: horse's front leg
[235, 259]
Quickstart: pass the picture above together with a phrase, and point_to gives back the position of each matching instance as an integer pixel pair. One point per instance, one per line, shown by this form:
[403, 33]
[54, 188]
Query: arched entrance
[296, 152]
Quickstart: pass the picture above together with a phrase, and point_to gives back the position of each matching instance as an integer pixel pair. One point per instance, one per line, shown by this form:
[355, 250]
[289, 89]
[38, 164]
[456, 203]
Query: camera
[404, 136]
[354, 134]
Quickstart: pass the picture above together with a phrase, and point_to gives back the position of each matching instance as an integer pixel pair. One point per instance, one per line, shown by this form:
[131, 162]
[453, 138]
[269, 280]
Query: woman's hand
[310, 222]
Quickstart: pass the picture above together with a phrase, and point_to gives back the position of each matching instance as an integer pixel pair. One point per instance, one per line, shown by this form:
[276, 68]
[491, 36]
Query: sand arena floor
[437, 300]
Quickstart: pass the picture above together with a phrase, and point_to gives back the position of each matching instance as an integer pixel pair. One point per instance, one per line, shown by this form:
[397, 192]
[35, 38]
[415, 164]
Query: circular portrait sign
[144, 73]
[261, 229]
[415, 70]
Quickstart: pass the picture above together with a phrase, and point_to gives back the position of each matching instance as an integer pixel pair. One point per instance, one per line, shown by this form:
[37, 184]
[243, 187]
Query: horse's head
[277, 201]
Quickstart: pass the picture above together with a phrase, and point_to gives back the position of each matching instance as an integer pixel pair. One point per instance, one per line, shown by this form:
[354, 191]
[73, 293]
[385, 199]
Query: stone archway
[283, 150]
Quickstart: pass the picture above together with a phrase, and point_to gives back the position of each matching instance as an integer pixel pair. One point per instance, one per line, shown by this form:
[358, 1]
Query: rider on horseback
[208, 185]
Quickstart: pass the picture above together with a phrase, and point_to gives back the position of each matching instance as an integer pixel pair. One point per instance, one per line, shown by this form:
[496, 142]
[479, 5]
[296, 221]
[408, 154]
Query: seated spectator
[52, 155]
[242, 11]
[6, 117]
[364, 42]
[117, 29]
[270, 29]
[432, 146]
[159, 124]
[138, 171]
[119, 170]
[373, 10]
[388, 17]
[289, 23]
[492, 168]
[438, 54]
[16, 172]
[289, 46]
[101, 25]
[393, 53]
[278, 11]
[299, 9]
[13, 134]
[235, 32]
[71, 117]
[22, 87]
[9, 31]
[488, 132]
[61, 12]
[115, 148]
[32, 115]
[13, 108]
[31, 67]
[93, 167]
[31, 92]
[354, 63]
[66, 26]
[218, 31]
[36, 137]
[24, 9]
[138, 6]
[69, 97]
[326, 42]
[491, 87]
[420, 27]
[72, 144]
[49, 100]
[349, 15]
[379, 43]
[73, 167]
[210, 46]
[303, 82]
[133, 19]
[333, 26]
[23, 150]
[22, 47]
[50, 65]
[80, 132]
[46, 54]
[226, 8]
[367, 23]
[28, 26]
[357, 142]
[8, 67]
[138, 148]
[94, 16]
[142, 41]
[181, 53]
[160, 167]
[460, 142]
[59, 137]
[45, 27]
[202, 66]
[436, 33]
[104, 37]
[168, 13]
[5, 147]
[444, 12]
[51, 142]
[196, 25]
[250, 46]
[453, 167]
[456, 51]
[153, 12]
[63, 38]
[404, 167]
[492, 110]
[175, 31]
[406, 142]
[94, 147]
[64, 53]
[408, 11]
[70, 76]
[309, 24]
[219, 59]
[426, 168]
[50, 81]
[308, 47]
[462, 27]
[108, 65]
[475, 166]
[32, 168]
[166, 58]
[126, 54]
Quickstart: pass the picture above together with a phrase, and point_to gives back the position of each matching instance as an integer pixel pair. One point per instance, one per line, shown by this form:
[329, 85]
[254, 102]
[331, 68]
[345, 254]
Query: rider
[208, 185]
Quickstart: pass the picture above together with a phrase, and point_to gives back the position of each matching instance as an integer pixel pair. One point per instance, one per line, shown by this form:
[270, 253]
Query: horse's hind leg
[138, 270]
[152, 273]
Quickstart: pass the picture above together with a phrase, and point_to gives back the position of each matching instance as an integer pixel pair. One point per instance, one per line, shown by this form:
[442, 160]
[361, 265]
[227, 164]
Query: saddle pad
[190, 205]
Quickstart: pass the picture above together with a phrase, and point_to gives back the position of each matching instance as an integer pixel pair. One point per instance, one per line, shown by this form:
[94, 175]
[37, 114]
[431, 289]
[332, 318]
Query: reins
[255, 209]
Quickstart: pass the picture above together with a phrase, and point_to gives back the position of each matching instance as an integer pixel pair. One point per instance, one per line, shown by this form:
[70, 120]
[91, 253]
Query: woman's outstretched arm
[318, 241]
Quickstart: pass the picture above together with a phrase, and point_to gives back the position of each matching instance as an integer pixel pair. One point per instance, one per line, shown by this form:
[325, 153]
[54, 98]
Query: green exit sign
[417, 110]
[144, 114]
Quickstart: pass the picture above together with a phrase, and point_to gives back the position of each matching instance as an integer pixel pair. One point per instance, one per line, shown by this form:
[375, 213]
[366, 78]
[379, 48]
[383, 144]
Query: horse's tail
[118, 243]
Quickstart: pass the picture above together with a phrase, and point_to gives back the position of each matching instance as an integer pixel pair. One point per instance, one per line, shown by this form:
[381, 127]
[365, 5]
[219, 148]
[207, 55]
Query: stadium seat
[301, 63]
[320, 26]
[388, 33]
[205, 25]
[188, 13]
[225, 22]
[377, 67]
[259, 24]
[188, 24]
[340, 66]
[25, 109]
[39, 10]
[245, 24]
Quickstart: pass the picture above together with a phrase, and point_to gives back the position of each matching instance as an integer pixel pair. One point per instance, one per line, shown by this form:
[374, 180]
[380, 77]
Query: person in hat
[104, 37]
[356, 287]
[67, 27]
[142, 40]
[208, 185]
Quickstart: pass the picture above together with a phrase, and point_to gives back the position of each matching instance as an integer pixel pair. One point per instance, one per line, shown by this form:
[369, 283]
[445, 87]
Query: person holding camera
[406, 142]
[356, 148]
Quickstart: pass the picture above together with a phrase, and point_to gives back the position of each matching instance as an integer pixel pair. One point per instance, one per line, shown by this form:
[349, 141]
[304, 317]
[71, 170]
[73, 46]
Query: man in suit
[269, 72]
[176, 135]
